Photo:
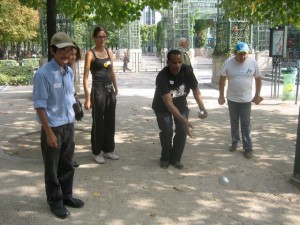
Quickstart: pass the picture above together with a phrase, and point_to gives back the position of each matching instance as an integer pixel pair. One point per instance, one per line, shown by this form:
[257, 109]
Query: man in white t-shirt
[240, 71]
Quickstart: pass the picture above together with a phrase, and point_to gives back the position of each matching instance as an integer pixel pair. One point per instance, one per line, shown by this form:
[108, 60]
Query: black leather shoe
[164, 164]
[74, 202]
[76, 164]
[60, 211]
[178, 165]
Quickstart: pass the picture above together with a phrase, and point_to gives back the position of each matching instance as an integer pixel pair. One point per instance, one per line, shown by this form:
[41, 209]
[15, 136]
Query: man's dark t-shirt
[179, 86]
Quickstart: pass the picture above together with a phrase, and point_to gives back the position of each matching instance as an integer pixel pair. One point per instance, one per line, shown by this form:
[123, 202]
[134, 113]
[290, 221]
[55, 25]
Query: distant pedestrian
[182, 47]
[240, 71]
[125, 62]
[53, 99]
[173, 84]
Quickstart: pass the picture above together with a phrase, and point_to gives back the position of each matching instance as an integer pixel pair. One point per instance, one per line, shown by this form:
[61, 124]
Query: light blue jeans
[240, 114]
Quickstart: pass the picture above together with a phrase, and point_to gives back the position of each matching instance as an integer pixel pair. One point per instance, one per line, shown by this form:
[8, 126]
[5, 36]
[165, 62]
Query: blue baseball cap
[242, 47]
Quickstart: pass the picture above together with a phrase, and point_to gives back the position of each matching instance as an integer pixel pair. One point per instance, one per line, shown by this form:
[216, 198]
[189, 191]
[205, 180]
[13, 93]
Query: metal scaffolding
[129, 36]
[178, 22]
[179, 19]
[261, 36]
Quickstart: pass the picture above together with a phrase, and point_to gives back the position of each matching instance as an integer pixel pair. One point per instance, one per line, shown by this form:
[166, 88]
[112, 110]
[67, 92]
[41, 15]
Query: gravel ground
[134, 189]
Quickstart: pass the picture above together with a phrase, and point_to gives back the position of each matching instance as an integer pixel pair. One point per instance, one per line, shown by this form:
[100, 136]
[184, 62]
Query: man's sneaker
[248, 153]
[99, 159]
[178, 165]
[233, 148]
[110, 155]
[164, 164]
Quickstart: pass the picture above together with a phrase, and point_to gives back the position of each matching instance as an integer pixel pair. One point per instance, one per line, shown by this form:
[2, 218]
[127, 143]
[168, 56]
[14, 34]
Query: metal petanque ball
[223, 180]
[201, 114]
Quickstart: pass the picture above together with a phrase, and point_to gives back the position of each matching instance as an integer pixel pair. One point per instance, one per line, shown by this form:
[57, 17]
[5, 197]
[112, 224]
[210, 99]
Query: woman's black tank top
[100, 69]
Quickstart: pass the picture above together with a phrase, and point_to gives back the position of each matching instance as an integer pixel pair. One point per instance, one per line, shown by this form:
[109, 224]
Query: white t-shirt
[240, 78]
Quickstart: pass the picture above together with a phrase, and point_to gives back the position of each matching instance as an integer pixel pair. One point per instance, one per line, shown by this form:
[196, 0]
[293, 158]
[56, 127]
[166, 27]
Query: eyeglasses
[101, 37]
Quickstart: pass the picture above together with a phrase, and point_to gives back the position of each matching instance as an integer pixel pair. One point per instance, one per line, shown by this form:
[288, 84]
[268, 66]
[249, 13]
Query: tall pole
[51, 23]
[218, 11]
[296, 175]
[42, 32]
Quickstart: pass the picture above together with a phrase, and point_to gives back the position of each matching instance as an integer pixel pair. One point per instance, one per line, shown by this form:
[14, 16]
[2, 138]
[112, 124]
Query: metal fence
[141, 62]
[148, 63]
[261, 36]
[228, 33]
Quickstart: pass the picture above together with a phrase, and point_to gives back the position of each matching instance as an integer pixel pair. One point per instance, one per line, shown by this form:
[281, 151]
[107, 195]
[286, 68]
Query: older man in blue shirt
[53, 97]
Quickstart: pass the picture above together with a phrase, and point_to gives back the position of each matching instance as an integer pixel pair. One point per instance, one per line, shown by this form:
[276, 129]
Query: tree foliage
[17, 23]
[148, 35]
[160, 36]
[145, 35]
[200, 29]
[279, 12]
[116, 12]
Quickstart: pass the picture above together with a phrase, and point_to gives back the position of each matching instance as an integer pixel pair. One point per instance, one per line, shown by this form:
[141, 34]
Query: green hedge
[8, 62]
[34, 62]
[16, 75]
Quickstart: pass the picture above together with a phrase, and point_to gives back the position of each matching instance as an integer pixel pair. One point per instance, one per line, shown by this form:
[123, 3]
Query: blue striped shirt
[53, 90]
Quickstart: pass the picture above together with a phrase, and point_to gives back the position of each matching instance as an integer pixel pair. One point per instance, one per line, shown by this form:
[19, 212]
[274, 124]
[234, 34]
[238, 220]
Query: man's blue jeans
[240, 112]
[172, 148]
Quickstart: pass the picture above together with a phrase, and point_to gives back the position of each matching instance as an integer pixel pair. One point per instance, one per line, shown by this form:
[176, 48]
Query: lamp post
[42, 21]
[296, 174]
[51, 23]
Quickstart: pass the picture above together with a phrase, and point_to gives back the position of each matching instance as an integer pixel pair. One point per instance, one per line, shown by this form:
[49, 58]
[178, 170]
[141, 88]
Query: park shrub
[8, 62]
[16, 75]
[33, 62]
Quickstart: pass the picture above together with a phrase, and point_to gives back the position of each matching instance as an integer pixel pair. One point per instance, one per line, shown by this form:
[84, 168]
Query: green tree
[200, 29]
[148, 36]
[113, 39]
[160, 36]
[279, 12]
[144, 33]
[80, 31]
[115, 12]
[17, 24]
